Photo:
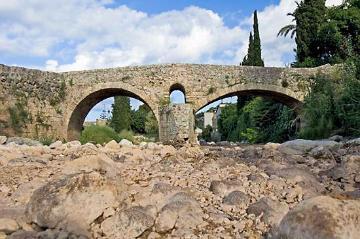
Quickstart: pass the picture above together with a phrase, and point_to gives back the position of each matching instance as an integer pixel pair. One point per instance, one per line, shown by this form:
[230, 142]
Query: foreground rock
[322, 218]
[72, 202]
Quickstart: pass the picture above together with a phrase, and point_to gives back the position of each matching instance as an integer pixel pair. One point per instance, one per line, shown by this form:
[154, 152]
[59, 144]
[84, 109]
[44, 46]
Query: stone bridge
[41, 104]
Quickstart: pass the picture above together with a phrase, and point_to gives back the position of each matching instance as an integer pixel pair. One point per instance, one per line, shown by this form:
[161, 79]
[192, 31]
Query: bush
[98, 135]
[126, 134]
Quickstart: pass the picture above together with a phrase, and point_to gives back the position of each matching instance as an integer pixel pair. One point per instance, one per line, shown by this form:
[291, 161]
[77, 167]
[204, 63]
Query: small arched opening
[177, 94]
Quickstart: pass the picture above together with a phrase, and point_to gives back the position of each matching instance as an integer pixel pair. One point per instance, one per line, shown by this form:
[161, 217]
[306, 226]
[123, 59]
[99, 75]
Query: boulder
[236, 198]
[272, 211]
[302, 177]
[130, 223]
[73, 144]
[322, 218]
[336, 138]
[3, 140]
[181, 211]
[301, 146]
[21, 234]
[100, 162]
[353, 142]
[8, 226]
[347, 171]
[56, 144]
[112, 145]
[23, 141]
[125, 142]
[72, 202]
[224, 187]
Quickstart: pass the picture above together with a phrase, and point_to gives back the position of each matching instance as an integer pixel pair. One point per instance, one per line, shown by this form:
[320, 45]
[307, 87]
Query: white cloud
[86, 34]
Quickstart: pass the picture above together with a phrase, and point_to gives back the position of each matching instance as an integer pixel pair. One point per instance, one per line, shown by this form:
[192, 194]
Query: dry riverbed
[299, 189]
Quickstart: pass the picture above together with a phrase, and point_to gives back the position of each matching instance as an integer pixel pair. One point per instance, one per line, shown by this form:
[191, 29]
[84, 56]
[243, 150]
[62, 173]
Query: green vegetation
[124, 124]
[329, 35]
[121, 114]
[19, 116]
[253, 58]
[257, 121]
[98, 135]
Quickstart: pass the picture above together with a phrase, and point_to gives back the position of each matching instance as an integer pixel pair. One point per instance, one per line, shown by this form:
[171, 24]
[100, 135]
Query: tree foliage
[253, 57]
[121, 114]
[333, 107]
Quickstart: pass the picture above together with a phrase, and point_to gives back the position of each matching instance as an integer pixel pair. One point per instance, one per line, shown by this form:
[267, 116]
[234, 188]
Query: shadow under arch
[78, 115]
[285, 99]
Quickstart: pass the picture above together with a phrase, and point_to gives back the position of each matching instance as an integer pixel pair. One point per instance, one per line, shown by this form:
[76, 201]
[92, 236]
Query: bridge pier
[177, 123]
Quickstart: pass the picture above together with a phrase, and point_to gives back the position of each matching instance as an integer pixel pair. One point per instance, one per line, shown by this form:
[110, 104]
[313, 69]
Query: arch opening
[251, 116]
[97, 108]
[177, 94]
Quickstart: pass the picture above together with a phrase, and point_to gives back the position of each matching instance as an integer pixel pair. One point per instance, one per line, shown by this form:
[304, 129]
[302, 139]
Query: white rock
[125, 142]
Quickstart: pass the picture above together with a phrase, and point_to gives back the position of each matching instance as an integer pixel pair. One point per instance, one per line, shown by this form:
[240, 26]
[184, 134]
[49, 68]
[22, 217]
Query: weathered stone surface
[125, 142]
[72, 202]
[23, 141]
[236, 198]
[130, 223]
[55, 98]
[100, 163]
[3, 139]
[272, 212]
[181, 211]
[112, 145]
[56, 144]
[322, 218]
[8, 226]
[301, 146]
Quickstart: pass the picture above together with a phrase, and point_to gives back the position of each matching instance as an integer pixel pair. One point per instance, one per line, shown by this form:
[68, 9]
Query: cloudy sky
[66, 35]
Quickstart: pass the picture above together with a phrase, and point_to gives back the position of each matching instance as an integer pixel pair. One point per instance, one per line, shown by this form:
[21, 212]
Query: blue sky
[66, 35]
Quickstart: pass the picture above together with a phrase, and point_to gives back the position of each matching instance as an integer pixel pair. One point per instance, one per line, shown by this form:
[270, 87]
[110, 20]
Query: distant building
[209, 119]
[98, 122]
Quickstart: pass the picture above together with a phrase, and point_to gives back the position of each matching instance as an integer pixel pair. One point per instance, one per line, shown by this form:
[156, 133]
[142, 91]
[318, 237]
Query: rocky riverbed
[299, 190]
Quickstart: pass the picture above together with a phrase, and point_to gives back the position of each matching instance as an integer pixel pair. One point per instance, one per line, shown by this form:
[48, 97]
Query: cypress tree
[121, 114]
[257, 60]
[253, 58]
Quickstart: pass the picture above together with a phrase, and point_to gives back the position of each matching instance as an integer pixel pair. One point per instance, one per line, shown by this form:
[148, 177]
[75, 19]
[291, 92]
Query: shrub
[98, 135]
[126, 134]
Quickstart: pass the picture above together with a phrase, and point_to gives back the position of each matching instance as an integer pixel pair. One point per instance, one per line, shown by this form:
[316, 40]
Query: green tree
[253, 58]
[151, 125]
[138, 119]
[121, 114]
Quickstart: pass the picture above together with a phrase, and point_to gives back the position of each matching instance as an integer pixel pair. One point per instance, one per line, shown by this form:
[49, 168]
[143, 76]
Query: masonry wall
[177, 123]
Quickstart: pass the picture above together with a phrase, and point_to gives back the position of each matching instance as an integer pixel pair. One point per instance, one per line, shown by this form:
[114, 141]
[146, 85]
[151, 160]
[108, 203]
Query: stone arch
[280, 94]
[78, 110]
[178, 87]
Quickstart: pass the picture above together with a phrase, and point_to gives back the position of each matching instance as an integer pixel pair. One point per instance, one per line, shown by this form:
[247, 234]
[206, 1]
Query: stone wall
[177, 123]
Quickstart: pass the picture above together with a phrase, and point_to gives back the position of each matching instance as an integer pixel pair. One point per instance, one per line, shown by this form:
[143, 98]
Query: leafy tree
[206, 134]
[138, 119]
[121, 114]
